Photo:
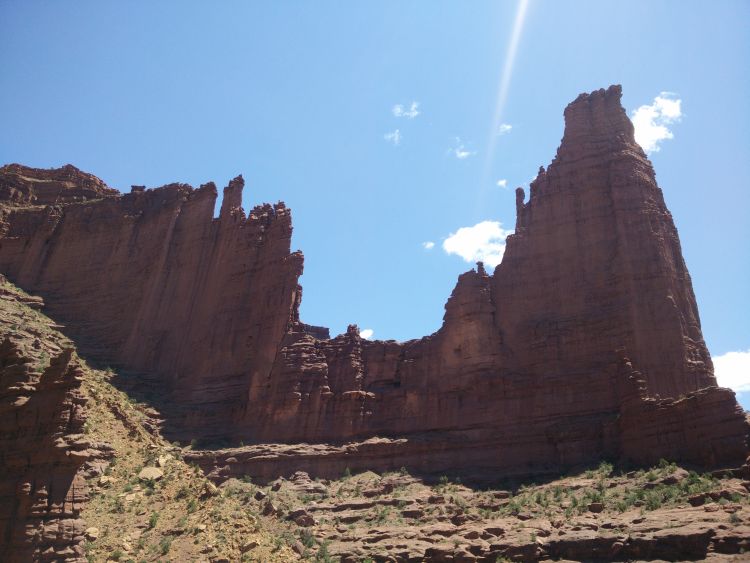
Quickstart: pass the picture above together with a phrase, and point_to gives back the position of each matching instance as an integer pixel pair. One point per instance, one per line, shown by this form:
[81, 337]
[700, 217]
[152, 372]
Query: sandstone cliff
[585, 342]
[42, 446]
[152, 282]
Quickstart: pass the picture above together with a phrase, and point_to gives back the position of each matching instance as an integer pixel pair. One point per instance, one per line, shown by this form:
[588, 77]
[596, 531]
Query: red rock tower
[595, 264]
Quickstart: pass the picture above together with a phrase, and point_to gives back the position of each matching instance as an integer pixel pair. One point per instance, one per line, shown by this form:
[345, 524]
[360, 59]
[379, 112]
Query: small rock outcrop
[22, 185]
[585, 342]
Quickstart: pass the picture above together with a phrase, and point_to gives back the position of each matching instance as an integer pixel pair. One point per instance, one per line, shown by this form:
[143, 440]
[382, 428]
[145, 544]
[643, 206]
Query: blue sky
[299, 97]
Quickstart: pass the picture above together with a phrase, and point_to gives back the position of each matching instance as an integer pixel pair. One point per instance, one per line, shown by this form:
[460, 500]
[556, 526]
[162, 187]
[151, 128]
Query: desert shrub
[654, 499]
[165, 545]
[557, 493]
[306, 537]
[445, 484]
[153, 519]
[323, 556]
[666, 466]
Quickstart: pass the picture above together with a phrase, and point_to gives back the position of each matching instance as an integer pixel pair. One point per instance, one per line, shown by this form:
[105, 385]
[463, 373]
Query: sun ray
[502, 92]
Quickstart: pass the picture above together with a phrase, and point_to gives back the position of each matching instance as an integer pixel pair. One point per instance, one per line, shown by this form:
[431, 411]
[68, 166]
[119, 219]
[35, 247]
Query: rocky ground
[145, 503]
[149, 505]
[664, 513]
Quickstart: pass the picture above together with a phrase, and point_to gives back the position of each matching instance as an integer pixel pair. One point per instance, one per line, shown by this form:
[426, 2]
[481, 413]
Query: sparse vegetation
[165, 545]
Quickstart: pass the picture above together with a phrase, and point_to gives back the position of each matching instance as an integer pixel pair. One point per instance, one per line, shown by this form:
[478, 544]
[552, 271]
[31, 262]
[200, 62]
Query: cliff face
[578, 346]
[604, 256]
[151, 282]
[43, 450]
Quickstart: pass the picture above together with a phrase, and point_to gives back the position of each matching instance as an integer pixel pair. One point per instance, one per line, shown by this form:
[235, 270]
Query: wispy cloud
[393, 137]
[484, 241]
[652, 122]
[400, 111]
[504, 128]
[460, 151]
[366, 333]
[733, 370]
[428, 245]
[502, 183]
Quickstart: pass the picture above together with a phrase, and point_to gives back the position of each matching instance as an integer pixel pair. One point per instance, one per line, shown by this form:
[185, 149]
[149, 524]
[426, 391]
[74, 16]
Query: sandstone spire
[596, 263]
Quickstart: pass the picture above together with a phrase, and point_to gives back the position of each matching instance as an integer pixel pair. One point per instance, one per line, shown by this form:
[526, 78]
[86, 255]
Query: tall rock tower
[595, 264]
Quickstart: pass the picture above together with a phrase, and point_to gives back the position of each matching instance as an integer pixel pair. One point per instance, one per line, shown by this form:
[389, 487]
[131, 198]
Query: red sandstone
[584, 343]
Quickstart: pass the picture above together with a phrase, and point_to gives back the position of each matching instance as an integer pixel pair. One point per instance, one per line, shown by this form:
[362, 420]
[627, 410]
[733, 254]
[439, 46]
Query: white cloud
[484, 241]
[504, 128]
[413, 111]
[366, 333]
[393, 137]
[652, 122]
[460, 151]
[428, 245]
[502, 183]
[733, 370]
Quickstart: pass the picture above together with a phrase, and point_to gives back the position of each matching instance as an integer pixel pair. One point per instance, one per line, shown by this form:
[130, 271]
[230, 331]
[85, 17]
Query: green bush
[306, 537]
[153, 519]
[165, 545]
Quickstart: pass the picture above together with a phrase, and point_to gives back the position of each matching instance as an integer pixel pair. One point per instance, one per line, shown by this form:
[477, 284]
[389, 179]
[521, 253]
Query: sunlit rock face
[581, 344]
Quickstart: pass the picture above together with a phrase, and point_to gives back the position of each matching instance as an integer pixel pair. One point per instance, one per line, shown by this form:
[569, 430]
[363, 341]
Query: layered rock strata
[22, 185]
[150, 281]
[43, 450]
[595, 516]
[584, 342]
